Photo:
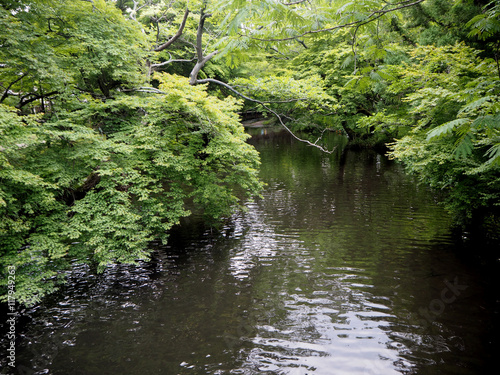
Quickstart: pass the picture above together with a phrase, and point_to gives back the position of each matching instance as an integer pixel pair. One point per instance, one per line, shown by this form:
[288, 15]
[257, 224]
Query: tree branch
[134, 11]
[23, 102]
[176, 36]
[93, 5]
[295, 2]
[301, 43]
[6, 93]
[153, 90]
[199, 34]
[263, 104]
[372, 17]
[159, 65]
[279, 53]
[193, 77]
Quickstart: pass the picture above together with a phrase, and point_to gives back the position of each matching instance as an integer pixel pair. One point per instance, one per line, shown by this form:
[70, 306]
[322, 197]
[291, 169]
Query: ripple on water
[327, 274]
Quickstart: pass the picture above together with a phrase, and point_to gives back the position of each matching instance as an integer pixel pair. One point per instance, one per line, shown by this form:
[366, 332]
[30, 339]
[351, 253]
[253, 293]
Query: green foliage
[252, 26]
[85, 194]
[361, 94]
[300, 99]
[486, 24]
[436, 22]
[410, 74]
[96, 170]
[51, 48]
[100, 153]
[453, 97]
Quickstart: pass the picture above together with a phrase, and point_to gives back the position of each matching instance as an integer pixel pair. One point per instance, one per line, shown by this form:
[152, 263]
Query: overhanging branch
[34, 97]
[376, 14]
[231, 88]
[264, 104]
[176, 36]
[295, 2]
[169, 61]
[7, 90]
[153, 90]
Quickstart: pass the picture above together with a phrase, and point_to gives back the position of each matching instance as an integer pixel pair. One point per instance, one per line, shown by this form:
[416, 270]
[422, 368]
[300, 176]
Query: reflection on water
[345, 266]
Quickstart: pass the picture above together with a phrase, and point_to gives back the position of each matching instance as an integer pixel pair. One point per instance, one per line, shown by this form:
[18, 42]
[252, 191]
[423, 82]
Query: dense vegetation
[117, 116]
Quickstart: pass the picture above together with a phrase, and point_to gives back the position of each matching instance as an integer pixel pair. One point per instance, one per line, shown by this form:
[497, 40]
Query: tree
[450, 99]
[95, 164]
[115, 114]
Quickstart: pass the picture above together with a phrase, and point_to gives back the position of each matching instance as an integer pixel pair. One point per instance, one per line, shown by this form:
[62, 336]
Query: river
[344, 266]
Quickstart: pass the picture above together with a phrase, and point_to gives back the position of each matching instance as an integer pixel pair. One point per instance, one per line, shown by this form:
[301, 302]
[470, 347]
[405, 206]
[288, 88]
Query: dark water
[345, 266]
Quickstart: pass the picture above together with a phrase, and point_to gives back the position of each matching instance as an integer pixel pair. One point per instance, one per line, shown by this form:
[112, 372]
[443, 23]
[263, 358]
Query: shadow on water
[345, 266]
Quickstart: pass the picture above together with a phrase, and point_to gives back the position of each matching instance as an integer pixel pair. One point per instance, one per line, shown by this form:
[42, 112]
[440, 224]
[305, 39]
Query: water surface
[344, 266]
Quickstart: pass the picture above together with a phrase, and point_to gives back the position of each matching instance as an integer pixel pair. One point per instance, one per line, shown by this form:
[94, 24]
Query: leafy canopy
[93, 168]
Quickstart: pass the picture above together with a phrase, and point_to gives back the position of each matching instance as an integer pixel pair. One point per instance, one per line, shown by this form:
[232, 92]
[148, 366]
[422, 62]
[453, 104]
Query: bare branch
[301, 43]
[137, 8]
[7, 90]
[176, 36]
[231, 88]
[25, 101]
[170, 61]
[201, 81]
[263, 104]
[199, 34]
[202, 60]
[145, 89]
[285, 57]
[295, 2]
[193, 77]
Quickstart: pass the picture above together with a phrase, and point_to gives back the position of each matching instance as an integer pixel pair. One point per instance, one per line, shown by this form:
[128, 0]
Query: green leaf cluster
[452, 97]
[103, 165]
